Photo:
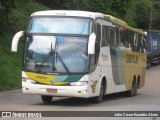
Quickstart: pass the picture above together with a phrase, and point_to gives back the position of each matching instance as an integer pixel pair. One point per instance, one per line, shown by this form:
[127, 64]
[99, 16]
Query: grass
[11, 63]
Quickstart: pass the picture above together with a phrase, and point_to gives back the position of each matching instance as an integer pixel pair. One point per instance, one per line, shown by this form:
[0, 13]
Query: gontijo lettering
[131, 58]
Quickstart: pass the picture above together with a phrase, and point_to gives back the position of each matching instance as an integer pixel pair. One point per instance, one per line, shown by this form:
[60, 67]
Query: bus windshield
[56, 54]
[60, 25]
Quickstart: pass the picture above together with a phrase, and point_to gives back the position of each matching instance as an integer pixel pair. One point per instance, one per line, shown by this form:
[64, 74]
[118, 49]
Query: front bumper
[62, 91]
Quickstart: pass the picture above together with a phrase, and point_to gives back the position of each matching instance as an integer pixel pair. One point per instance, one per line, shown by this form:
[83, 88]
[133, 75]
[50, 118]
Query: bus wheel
[157, 60]
[133, 91]
[46, 98]
[148, 63]
[99, 98]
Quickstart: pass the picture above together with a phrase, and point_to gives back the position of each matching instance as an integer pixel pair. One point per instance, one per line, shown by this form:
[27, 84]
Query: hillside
[11, 63]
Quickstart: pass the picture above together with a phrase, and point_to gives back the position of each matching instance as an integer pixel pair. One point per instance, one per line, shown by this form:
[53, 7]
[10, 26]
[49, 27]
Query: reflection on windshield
[42, 44]
[72, 53]
[60, 25]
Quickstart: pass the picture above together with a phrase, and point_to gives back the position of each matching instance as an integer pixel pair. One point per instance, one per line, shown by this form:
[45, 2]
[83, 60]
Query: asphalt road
[148, 99]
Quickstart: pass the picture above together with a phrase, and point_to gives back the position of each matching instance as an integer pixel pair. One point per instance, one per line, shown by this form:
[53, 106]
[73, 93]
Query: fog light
[24, 88]
[83, 91]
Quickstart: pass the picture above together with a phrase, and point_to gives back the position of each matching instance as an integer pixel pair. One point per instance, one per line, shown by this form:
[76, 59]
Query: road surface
[148, 99]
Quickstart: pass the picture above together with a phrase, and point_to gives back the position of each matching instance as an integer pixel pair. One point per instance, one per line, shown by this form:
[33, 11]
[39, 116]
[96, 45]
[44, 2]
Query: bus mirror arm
[91, 44]
[15, 40]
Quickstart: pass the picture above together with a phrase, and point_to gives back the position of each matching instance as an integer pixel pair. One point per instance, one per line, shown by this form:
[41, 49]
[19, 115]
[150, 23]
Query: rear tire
[148, 63]
[158, 60]
[46, 99]
[99, 98]
[133, 91]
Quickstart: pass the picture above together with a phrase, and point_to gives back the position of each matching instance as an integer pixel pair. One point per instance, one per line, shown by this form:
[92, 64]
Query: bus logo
[131, 58]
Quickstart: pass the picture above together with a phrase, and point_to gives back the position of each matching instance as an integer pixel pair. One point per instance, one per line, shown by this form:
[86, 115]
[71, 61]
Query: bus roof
[123, 24]
[73, 13]
[93, 15]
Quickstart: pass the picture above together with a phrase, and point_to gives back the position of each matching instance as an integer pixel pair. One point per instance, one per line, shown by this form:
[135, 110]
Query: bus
[81, 54]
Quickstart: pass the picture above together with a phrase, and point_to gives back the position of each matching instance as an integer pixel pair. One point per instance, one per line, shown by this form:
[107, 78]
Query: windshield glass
[61, 25]
[62, 54]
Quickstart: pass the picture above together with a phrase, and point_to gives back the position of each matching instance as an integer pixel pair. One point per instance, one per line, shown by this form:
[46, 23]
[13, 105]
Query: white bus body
[81, 54]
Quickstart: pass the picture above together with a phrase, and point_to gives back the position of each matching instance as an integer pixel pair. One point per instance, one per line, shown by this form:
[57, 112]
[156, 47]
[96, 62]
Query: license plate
[51, 90]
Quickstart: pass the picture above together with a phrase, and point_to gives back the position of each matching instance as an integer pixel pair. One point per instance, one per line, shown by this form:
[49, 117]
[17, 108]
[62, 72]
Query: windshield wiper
[60, 59]
[64, 65]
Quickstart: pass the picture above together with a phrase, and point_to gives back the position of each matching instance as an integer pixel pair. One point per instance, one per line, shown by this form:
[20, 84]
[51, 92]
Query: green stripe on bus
[68, 78]
[117, 66]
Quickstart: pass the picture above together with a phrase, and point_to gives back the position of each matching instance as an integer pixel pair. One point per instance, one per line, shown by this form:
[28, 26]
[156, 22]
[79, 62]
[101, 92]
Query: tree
[139, 14]
[155, 15]
[5, 8]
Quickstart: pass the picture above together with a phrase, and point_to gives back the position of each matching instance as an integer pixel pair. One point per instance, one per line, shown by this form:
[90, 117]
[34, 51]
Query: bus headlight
[79, 83]
[28, 80]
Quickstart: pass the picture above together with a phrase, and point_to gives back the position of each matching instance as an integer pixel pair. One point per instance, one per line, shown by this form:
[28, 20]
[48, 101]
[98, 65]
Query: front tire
[46, 99]
[99, 98]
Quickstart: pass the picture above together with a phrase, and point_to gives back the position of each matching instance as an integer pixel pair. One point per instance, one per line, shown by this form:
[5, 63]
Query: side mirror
[15, 41]
[91, 44]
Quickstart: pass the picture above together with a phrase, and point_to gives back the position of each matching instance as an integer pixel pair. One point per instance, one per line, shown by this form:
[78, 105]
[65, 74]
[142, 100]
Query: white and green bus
[81, 54]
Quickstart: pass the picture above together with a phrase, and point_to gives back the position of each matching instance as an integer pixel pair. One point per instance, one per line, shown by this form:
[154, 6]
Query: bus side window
[135, 41]
[141, 44]
[95, 57]
[98, 40]
[124, 35]
[112, 38]
[118, 41]
[127, 38]
[98, 35]
[144, 43]
[105, 36]
[132, 40]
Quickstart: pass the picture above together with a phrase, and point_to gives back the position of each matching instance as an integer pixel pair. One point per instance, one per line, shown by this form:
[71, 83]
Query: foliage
[136, 13]
[156, 15]
[5, 8]
[113, 7]
[16, 19]
[139, 14]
